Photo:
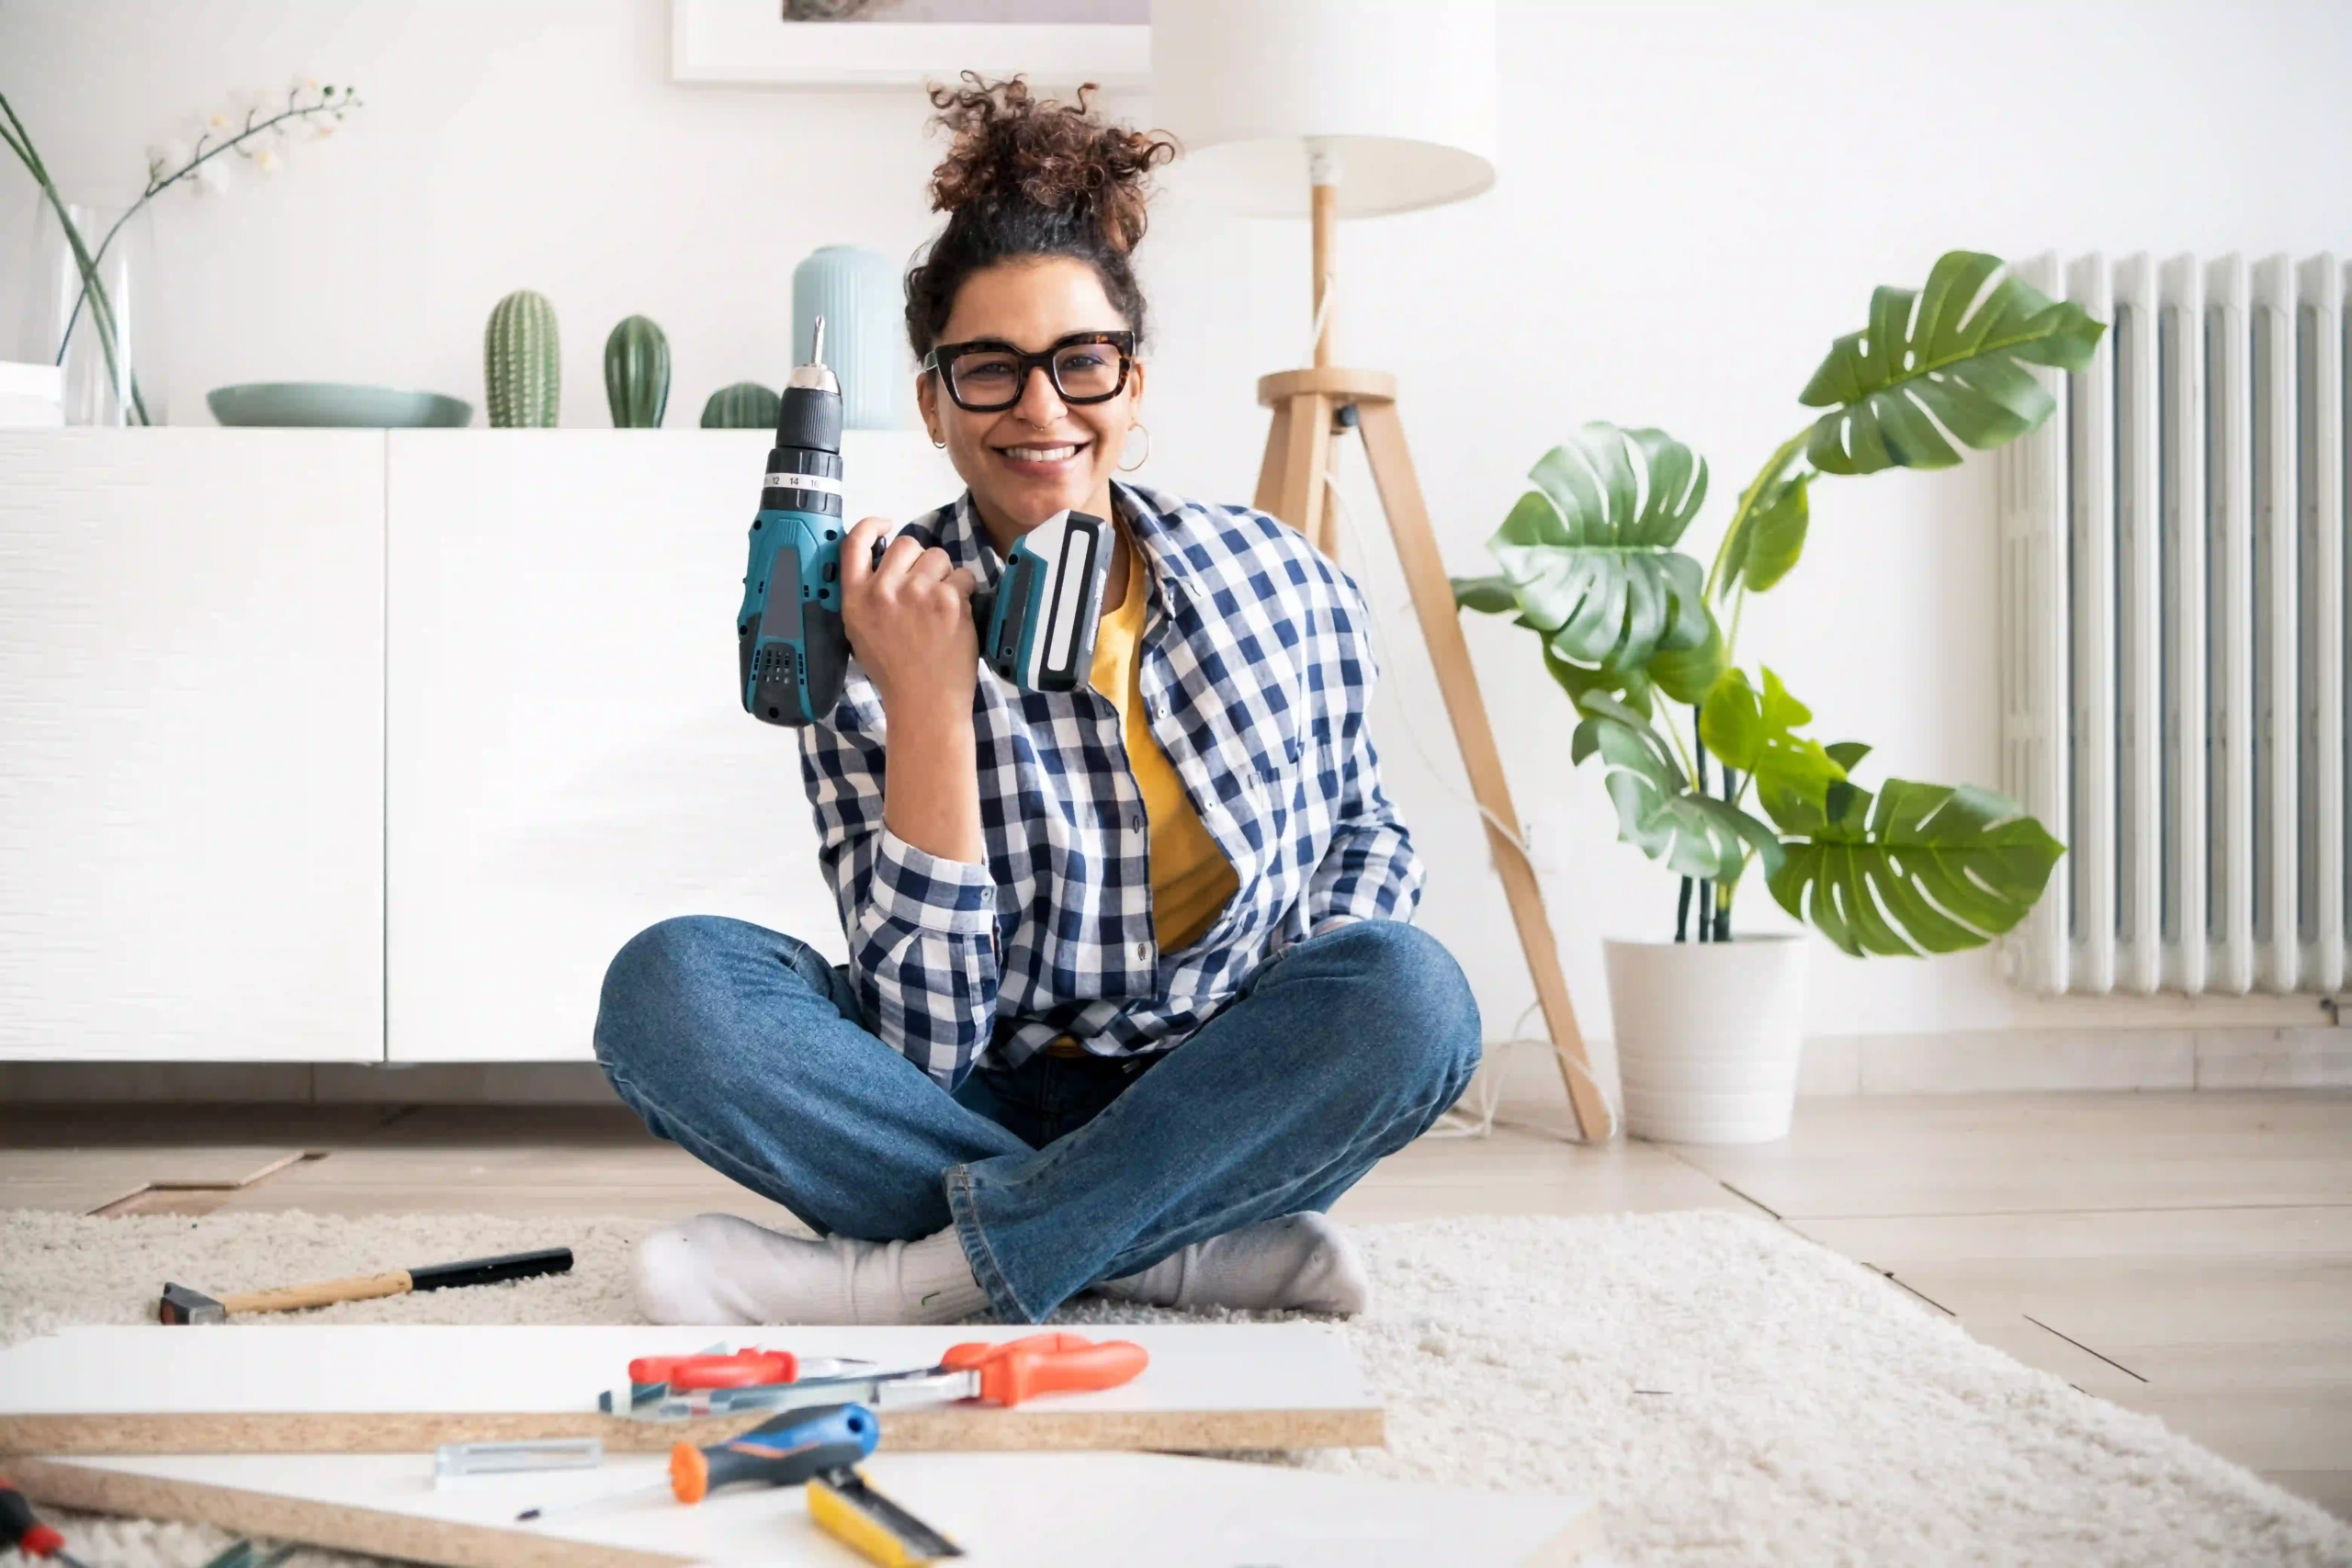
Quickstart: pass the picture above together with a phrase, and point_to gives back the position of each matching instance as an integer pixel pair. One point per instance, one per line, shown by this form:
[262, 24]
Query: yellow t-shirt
[1191, 879]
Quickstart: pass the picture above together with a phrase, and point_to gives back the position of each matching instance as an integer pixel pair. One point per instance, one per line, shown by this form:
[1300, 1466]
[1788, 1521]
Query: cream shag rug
[1729, 1392]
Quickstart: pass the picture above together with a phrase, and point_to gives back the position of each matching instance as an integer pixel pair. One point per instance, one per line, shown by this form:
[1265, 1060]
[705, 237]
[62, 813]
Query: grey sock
[719, 1269]
[1301, 1262]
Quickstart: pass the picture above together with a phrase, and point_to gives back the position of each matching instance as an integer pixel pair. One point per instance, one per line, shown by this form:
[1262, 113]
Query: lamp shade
[1399, 95]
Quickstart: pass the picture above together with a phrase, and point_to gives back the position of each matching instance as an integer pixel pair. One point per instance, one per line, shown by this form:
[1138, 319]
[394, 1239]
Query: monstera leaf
[1770, 536]
[1755, 732]
[1688, 674]
[1487, 596]
[1685, 675]
[1952, 354]
[1587, 554]
[1657, 812]
[1923, 869]
[1632, 687]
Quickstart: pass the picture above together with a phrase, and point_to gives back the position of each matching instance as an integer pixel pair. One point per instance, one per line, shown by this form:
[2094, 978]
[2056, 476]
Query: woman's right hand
[910, 624]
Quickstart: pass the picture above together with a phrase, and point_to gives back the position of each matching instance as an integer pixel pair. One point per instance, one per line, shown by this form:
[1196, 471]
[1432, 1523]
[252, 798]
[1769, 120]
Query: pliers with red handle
[747, 1368]
[652, 1379]
[1002, 1374]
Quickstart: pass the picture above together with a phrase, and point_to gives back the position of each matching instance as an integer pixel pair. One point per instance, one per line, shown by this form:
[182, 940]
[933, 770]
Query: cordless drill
[792, 652]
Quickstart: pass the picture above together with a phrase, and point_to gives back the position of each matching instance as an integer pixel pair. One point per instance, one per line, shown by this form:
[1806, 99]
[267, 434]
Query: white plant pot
[1708, 1035]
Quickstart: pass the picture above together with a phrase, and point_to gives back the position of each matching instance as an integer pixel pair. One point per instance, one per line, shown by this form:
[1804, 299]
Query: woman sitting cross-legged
[1131, 998]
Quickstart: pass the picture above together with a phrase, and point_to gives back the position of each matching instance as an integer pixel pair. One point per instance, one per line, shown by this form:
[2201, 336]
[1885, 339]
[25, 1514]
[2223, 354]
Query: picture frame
[748, 42]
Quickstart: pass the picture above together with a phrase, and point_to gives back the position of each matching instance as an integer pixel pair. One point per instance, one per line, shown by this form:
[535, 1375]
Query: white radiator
[2175, 664]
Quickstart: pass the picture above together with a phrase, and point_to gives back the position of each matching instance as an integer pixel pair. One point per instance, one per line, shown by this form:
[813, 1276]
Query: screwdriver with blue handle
[819, 1448]
[1036, 626]
[784, 1452]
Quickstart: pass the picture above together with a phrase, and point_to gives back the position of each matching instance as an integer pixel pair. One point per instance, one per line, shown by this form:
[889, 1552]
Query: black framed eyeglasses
[989, 374]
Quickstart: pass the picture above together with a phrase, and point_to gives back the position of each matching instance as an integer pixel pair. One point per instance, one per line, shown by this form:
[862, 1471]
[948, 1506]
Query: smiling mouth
[1058, 454]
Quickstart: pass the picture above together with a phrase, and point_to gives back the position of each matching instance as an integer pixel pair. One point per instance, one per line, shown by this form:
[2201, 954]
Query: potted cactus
[1643, 641]
[521, 363]
[746, 405]
[637, 374]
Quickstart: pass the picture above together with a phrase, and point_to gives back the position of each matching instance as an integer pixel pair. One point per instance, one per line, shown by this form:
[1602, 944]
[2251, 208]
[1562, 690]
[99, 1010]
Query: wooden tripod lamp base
[1310, 408]
[1385, 108]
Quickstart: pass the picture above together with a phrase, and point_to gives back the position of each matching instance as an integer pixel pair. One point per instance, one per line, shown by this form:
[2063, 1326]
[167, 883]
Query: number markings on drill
[818, 483]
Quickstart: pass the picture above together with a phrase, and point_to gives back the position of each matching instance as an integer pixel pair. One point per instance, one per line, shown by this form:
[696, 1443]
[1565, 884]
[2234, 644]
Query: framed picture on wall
[897, 43]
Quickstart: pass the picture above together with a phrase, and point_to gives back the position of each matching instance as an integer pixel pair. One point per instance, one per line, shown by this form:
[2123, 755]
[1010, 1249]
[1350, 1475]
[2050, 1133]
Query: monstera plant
[1646, 642]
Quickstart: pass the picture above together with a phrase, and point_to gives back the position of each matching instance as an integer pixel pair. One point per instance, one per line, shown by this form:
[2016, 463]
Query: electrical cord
[1322, 314]
[1478, 1122]
[1483, 1100]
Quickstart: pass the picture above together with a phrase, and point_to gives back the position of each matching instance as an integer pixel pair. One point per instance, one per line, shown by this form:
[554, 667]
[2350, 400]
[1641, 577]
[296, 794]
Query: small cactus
[521, 363]
[746, 405]
[637, 374]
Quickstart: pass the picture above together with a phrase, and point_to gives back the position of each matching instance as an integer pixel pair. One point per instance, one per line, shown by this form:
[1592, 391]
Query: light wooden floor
[2185, 1254]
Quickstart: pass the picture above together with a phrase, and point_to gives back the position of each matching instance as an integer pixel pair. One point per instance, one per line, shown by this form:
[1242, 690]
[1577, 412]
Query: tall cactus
[521, 363]
[637, 374]
[746, 405]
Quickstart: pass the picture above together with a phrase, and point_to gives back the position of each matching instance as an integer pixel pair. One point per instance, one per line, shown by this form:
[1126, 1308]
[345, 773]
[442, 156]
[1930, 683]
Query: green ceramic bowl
[332, 404]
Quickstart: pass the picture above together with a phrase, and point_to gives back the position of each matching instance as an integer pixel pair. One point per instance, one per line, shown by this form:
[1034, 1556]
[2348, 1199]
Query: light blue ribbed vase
[860, 296]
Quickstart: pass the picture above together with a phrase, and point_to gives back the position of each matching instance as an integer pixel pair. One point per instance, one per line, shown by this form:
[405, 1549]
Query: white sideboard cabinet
[325, 746]
[569, 761]
[191, 745]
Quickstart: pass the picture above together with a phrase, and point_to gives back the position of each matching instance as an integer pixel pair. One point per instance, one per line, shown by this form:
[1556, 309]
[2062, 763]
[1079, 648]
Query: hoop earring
[1140, 462]
[938, 443]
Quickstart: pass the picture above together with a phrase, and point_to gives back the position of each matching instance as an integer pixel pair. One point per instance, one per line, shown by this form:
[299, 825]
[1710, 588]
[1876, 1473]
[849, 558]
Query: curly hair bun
[1011, 147]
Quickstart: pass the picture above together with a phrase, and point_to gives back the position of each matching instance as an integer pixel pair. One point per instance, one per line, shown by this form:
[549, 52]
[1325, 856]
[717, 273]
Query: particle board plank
[1137, 1510]
[389, 1388]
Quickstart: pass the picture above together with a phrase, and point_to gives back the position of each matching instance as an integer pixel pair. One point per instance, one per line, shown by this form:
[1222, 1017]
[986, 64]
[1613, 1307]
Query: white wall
[1694, 201]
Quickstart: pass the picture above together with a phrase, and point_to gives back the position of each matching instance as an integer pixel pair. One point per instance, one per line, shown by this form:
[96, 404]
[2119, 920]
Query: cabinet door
[191, 745]
[569, 760]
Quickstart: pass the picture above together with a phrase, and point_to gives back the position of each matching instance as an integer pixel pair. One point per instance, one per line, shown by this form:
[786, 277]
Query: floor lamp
[1335, 108]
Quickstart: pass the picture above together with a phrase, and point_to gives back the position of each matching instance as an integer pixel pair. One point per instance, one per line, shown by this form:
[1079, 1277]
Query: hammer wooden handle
[293, 1298]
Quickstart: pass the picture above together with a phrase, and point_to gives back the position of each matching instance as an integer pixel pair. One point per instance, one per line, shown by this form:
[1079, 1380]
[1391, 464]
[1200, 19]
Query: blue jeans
[744, 1047]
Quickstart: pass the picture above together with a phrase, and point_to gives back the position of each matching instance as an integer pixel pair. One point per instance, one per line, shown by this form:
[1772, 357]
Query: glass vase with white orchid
[255, 131]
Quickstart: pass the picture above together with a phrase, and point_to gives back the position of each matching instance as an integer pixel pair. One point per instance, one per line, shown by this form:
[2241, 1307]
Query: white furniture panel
[191, 745]
[569, 763]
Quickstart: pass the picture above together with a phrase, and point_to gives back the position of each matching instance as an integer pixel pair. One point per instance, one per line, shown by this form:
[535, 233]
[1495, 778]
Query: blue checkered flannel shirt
[1257, 667]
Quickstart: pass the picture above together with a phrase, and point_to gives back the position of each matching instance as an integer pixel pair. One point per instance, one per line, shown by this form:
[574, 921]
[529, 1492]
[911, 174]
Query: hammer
[179, 1305]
